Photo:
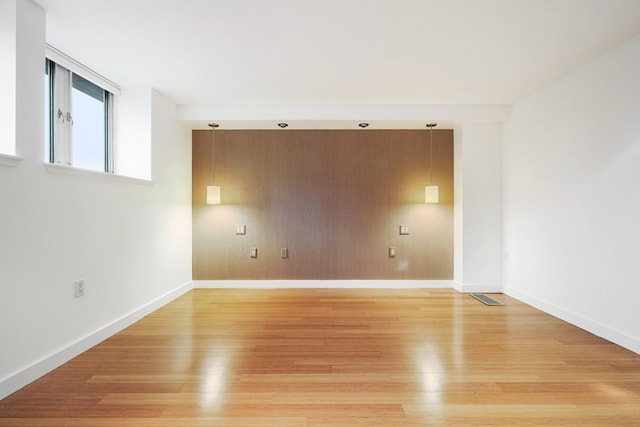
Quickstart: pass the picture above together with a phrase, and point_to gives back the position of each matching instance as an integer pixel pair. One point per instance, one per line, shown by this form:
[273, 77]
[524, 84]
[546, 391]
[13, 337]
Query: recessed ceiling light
[363, 125]
[283, 125]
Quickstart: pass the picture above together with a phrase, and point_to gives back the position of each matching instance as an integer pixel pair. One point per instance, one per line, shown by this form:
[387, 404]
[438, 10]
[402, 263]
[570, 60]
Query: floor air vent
[485, 299]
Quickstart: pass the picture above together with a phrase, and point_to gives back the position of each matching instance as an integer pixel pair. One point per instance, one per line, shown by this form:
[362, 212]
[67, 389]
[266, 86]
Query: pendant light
[431, 191]
[213, 191]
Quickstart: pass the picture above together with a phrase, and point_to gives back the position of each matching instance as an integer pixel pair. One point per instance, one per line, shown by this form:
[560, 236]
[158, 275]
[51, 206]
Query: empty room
[319, 213]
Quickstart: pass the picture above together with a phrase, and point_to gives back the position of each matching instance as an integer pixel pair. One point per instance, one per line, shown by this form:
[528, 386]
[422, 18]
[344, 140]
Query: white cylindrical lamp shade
[213, 195]
[431, 194]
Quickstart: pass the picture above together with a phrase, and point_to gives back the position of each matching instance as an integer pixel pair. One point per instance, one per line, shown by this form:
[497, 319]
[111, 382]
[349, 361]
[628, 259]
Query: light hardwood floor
[347, 357]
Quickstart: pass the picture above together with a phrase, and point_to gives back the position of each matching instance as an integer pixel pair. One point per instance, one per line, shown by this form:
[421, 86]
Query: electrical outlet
[241, 230]
[79, 287]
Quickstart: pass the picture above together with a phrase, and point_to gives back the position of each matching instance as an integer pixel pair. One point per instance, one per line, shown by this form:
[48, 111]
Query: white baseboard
[16, 381]
[469, 288]
[271, 284]
[617, 337]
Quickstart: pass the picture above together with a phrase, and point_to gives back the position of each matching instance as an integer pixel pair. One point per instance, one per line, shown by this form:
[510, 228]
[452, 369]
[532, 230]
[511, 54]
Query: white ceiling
[317, 53]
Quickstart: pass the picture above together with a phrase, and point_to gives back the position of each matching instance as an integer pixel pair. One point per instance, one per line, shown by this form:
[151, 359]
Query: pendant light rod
[213, 126]
[431, 126]
[213, 190]
[431, 191]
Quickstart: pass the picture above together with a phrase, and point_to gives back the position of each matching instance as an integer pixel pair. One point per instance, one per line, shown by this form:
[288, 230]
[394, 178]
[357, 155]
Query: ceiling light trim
[340, 116]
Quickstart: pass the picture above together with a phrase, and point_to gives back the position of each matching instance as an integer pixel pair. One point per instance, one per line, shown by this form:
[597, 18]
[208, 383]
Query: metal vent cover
[485, 299]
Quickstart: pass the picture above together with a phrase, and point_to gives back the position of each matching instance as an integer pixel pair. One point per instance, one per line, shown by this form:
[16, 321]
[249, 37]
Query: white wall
[572, 197]
[133, 123]
[129, 239]
[478, 207]
[8, 10]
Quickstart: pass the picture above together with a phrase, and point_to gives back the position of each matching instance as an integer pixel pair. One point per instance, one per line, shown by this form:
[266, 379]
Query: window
[79, 115]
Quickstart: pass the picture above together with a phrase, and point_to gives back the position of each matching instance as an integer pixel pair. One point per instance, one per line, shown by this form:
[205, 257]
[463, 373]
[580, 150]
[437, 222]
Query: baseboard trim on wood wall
[17, 380]
[361, 284]
[468, 288]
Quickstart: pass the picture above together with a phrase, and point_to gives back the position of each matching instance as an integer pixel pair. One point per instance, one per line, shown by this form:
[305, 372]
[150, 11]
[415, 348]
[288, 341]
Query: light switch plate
[392, 252]
[241, 229]
[284, 253]
[404, 230]
[254, 252]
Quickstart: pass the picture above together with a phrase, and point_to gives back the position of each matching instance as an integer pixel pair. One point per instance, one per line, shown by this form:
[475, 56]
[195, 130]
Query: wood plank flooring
[339, 357]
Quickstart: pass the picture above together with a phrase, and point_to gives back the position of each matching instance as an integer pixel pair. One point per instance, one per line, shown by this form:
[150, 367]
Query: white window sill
[9, 160]
[70, 170]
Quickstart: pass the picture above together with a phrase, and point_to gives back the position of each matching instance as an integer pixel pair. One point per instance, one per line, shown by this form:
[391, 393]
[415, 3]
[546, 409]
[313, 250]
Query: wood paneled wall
[334, 198]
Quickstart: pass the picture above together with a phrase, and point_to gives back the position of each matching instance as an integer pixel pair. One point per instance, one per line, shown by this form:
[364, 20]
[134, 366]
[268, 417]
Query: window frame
[60, 69]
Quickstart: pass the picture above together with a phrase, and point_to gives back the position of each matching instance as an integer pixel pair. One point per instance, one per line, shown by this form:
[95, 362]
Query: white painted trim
[17, 380]
[361, 284]
[74, 66]
[338, 116]
[617, 337]
[9, 160]
[478, 287]
[71, 170]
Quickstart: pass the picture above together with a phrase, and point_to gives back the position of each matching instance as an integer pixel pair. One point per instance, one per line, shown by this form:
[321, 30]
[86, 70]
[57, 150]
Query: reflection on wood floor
[339, 357]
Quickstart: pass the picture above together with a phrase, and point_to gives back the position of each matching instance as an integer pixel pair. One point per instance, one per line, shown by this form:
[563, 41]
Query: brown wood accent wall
[334, 198]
